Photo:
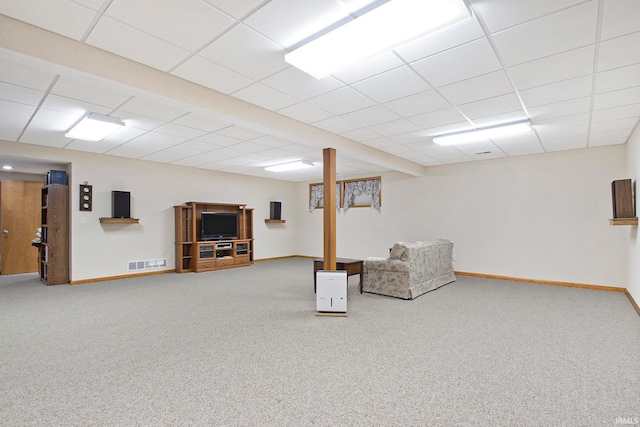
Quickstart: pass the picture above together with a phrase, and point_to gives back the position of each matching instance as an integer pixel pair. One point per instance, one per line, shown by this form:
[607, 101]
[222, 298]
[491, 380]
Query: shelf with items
[54, 246]
[194, 254]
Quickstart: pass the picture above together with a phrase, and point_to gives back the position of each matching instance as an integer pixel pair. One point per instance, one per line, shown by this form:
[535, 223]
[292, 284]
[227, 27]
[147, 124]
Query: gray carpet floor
[243, 347]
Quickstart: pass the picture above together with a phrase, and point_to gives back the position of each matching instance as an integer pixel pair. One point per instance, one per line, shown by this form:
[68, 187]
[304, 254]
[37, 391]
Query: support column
[329, 187]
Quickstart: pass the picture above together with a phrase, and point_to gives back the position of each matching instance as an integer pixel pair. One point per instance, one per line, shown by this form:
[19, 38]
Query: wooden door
[19, 220]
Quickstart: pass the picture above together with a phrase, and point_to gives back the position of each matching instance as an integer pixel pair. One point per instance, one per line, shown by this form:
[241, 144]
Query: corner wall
[542, 217]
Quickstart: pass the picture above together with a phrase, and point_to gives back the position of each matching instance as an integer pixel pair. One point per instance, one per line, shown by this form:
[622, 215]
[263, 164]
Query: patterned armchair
[411, 270]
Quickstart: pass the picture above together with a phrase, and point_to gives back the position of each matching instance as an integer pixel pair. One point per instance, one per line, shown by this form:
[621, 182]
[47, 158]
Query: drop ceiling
[203, 83]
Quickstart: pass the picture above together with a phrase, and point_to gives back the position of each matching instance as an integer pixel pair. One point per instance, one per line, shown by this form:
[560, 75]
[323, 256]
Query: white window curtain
[317, 196]
[368, 187]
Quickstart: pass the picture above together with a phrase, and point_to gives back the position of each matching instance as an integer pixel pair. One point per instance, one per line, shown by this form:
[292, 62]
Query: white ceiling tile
[390, 85]
[437, 118]
[555, 92]
[491, 106]
[620, 17]
[616, 98]
[336, 125]
[501, 14]
[59, 16]
[239, 132]
[559, 109]
[418, 103]
[152, 109]
[619, 52]
[613, 137]
[92, 92]
[20, 95]
[145, 145]
[305, 113]
[11, 126]
[571, 142]
[15, 110]
[622, 125]
[73, 107]
[556, 68]
[123, 40]
[624, 112]
[217, 140]
[442, 40]
[341, 101]
[381, 142]
[460, 63]
[25, 76]
[301, 85]
[189, 26]
[288, 22]
[241, 48]
[265, 97]
[412, 137]
[361, 134]
[444, 154]
[120, 137]
[395, 127]
[235, 8]
[549, 35]
[137, 121]
[477, 88]
[180, 131]
[619, 78]
[167, 156]
[206, 73]
[371, 116]
[498, 119]
[369, 67]
[197, 121]
[565, 126]
[519, 145]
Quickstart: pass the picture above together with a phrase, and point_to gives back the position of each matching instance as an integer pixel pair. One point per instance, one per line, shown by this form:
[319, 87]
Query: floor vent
[148, 264]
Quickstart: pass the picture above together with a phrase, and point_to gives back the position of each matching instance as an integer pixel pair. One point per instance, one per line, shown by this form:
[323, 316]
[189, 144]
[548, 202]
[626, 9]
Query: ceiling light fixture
[300, 164]
[94, 127]
[499, 131]
[7, 167]
[389, 25]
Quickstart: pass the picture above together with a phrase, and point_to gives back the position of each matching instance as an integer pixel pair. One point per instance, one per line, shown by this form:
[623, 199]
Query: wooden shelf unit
[623, 221]
[198, 256]
[54, 246]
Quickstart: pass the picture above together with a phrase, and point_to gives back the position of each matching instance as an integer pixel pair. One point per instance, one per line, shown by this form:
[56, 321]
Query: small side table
[351, 266]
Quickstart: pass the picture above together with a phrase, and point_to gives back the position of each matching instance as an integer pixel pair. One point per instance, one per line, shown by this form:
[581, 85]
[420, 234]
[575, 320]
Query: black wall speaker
[276, 210]
[86, 197]
[120, 204]
[622, 195]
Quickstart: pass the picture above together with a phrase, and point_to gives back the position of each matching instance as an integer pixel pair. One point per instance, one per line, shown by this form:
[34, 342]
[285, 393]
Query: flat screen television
[219, 226]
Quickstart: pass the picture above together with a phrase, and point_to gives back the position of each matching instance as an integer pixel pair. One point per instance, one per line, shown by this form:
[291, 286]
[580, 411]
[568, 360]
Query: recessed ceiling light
[94, 127]
[300, 164]
[7, 167]
[483, 134]
[381, 29]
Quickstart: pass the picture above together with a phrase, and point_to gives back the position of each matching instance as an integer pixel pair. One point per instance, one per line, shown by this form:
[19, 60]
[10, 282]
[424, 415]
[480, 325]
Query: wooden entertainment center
[196, 255]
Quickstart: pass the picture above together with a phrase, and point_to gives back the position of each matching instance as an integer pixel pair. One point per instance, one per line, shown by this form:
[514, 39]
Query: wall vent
[148, 264]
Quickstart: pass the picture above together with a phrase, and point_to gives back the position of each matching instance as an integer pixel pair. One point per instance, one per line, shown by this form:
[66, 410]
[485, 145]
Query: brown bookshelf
[54, 246]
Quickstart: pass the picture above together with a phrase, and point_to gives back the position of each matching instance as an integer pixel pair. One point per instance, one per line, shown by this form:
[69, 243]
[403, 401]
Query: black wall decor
[86, 197]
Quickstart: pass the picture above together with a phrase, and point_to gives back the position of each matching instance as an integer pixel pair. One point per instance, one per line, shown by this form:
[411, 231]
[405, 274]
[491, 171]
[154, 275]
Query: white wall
[633, 172]
[99, 251]
[539, 217]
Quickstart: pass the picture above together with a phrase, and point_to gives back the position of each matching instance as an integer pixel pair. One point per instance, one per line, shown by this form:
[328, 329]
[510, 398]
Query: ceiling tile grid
[571, 66]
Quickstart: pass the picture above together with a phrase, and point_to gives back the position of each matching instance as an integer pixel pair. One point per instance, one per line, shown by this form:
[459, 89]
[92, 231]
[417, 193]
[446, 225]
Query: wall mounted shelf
[623, 221]
[275, 221]
[104, 220]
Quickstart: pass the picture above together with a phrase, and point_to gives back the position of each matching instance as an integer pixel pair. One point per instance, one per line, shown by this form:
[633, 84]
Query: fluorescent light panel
[94, 127]
[301, 164]
[391, 24]
[500, 131]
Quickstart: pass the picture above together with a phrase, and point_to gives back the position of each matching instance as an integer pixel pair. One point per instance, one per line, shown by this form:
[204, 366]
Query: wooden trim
[123, 276]
[105, 220]
[633, 302]
[543, 282]
[623, 221]
[329, 215]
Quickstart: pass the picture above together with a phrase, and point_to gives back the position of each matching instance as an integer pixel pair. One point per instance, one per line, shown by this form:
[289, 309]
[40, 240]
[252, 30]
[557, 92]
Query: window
[352, 193]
